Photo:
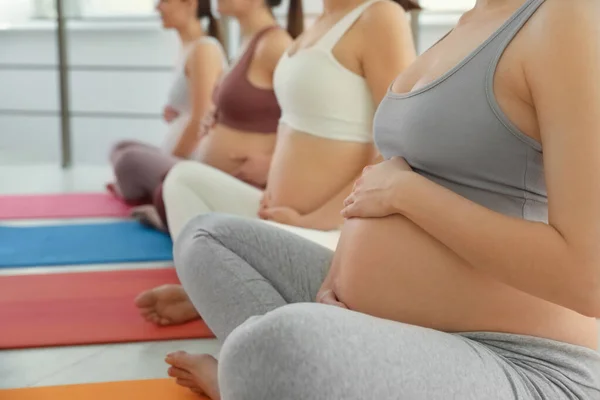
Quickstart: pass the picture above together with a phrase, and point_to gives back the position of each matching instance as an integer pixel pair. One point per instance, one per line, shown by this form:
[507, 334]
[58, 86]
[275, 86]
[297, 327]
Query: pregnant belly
[390, 268]
[308, 170]
[225, 148]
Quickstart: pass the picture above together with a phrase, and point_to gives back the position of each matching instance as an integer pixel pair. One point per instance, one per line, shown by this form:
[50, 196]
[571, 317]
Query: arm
[558, 262]
[268, 52]
[255, 167]
[204, 67]
[386, 24]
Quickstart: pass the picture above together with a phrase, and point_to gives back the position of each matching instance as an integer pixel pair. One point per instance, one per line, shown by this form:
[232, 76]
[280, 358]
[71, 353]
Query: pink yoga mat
[72, 205]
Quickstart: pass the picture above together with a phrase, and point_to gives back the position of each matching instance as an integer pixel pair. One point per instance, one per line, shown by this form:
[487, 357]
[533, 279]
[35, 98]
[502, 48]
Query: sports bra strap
[330, 39]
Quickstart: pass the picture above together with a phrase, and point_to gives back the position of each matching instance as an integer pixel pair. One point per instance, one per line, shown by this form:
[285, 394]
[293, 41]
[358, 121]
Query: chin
[165, 24]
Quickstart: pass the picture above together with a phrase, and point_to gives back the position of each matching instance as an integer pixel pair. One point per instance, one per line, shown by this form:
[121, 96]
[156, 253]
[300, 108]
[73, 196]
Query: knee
[119, 147]
[198, 237]
[183, 174]
[263, 356]
[127, 164]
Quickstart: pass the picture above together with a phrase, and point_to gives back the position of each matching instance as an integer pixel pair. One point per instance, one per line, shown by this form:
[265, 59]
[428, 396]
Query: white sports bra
[321, 97]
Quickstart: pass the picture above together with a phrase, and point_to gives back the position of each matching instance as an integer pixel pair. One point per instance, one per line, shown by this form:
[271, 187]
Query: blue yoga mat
[117, 242]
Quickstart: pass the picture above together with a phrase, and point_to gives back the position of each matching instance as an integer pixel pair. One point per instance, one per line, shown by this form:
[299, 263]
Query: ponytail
[295, 18]
[408, 5]
[214, 25]
[215, 29]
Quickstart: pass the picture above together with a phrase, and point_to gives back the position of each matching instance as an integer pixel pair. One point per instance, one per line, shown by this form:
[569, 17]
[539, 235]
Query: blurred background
[117, 67]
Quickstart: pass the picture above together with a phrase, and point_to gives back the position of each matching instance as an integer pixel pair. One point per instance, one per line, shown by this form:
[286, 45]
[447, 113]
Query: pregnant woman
[469, 266]
[139, 167]
[246, 115]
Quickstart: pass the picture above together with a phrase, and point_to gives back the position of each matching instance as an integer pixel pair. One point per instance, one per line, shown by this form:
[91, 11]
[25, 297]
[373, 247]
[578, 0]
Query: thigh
[293, 266]
[318, 352]
[219, 191]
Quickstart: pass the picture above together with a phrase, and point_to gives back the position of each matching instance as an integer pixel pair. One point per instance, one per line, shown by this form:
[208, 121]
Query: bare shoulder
[271, 46]
[562, 19]
[564, 32]
[206, 52]
[383, 16]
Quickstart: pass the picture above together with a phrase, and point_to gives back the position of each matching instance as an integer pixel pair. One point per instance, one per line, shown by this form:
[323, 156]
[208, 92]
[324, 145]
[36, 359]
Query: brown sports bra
[242, 106]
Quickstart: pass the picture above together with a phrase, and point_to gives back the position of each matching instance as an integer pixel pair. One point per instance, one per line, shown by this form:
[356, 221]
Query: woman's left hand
[372, 196]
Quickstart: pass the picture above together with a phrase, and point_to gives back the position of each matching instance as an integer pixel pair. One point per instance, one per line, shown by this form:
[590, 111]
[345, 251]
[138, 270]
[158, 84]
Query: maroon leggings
[139, 171]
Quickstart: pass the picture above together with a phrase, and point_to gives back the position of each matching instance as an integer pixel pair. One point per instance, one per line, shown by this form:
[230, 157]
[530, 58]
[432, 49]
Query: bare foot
[148, 215]
[196, 372]
[166, 305]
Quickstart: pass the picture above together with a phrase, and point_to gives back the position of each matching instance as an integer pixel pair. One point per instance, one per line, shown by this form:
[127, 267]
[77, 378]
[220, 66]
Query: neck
[191, 31]
[255, 21]
[331, 6]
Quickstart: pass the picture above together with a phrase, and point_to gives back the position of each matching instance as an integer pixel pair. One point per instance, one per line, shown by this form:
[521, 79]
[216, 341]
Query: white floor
[80, 364]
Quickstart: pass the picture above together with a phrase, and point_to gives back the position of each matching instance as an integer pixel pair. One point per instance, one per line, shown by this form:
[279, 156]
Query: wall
[120, 74]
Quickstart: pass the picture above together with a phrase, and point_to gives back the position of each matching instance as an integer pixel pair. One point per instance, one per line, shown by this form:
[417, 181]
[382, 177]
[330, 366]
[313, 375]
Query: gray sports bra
[454, 133]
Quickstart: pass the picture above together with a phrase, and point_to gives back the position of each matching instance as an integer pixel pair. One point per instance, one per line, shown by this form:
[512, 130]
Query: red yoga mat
[71, 205]
[83, 308]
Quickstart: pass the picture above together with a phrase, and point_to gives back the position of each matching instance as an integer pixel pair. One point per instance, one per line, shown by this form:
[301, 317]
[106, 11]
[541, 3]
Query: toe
[150, 317]
[179, 373]
[154, 318]
[164, 321]
[182, 360]
[146, 300]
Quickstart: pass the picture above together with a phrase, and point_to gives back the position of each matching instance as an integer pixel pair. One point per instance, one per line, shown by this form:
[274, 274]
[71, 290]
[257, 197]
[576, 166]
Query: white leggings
[192, 188]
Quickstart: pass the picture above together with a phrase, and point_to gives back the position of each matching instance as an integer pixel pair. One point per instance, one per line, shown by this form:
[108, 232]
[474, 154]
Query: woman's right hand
[265, 200]
[208, 122]
[328, 296]
[169, 114]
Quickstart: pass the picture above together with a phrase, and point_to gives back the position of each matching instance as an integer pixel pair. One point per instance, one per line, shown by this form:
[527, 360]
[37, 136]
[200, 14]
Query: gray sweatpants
[139, 169]
[242, 276]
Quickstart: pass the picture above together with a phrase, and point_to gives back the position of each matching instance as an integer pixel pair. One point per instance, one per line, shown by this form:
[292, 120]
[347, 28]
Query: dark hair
[408, 5]
[214, 25]
[295, 16]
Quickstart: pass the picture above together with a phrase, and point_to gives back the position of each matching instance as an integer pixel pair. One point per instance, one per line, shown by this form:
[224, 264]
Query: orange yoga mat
[83, 308]
[157, 389]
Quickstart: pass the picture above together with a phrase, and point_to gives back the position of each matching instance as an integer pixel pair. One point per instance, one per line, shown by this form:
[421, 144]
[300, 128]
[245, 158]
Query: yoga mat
[76, 205]
[155, 389]
[83, 308]
[115, 242]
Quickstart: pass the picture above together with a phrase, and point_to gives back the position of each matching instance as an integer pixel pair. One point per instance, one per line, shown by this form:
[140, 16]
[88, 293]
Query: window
[15, 10]
[116, 8]
[91, 8]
